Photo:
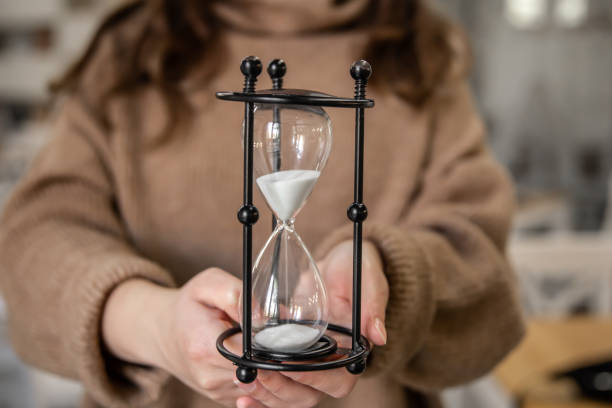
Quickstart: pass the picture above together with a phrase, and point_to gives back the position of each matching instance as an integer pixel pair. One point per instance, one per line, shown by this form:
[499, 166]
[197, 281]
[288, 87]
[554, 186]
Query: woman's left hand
[337, 271]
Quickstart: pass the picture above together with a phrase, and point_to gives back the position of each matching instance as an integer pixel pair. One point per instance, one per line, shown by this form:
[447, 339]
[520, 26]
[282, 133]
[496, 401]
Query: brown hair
[411, 47]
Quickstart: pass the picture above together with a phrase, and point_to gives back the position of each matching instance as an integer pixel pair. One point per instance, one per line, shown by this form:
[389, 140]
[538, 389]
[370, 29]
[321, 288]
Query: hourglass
[287, 139]
[289, 303]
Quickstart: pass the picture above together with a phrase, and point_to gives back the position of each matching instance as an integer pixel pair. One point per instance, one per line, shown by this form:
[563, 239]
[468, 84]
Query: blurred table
[549, 347]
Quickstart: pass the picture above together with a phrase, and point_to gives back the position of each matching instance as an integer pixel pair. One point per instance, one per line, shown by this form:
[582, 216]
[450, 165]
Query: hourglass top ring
[286, 141]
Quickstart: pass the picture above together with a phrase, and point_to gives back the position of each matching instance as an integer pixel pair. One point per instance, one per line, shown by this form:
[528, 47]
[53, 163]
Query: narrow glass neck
[285, 223]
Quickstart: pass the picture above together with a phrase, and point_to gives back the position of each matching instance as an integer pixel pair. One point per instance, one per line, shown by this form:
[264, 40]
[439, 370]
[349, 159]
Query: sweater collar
[288, 16]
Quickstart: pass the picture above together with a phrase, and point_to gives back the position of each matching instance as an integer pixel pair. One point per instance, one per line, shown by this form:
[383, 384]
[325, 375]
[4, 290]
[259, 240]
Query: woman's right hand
[177, 330]
[189, 326]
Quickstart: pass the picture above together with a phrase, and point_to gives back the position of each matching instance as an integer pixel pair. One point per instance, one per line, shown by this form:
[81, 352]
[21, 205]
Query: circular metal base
[324, 347]
[354, 360]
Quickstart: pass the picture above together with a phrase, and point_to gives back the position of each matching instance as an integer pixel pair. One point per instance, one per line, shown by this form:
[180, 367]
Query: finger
[372, 317]
[375, 295]
[217, 288]
[337, 269]
[248, 402]
[376, 332]
[374, 305]
[258, 392]
[338, 382]
[374, 299]
[211, 380]
[288, 390]
[232, 344]
[373, 320]
[227, 398]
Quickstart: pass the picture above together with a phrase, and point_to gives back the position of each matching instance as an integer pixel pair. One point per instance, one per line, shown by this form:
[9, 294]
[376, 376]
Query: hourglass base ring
[324, 347]
[354, 361]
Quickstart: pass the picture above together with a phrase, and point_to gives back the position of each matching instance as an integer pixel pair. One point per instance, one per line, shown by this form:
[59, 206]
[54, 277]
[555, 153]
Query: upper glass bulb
[291, 147]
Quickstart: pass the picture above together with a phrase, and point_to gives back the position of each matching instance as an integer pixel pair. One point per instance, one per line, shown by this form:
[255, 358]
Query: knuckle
[204, 278]
[218, 396]
[258, 393]
[339, 394]
[319, 383]
[311, 401]
[271, 383]
[275, 388]
[301, 377]
[208, 383]
[196, 351]
[343, 391]
[213, 271]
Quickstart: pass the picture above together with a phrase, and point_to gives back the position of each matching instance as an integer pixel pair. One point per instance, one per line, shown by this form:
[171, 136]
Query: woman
[120, 248]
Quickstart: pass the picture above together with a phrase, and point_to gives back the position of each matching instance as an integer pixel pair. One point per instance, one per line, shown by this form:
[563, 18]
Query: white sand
[285, 191]
[287, 337]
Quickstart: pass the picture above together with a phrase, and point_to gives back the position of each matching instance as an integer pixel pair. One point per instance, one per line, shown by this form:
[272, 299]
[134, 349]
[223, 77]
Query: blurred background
[542, 76]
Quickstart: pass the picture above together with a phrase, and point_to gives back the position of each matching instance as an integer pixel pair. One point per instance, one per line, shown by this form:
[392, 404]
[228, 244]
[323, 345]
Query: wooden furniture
[549, 347]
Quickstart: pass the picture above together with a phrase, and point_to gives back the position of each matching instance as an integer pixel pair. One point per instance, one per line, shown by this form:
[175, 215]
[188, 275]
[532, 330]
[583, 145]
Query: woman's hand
[177, 330]
[337, 271]
[189, 326]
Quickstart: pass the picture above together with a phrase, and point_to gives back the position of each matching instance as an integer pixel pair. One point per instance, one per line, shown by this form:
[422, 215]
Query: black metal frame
[353, 359]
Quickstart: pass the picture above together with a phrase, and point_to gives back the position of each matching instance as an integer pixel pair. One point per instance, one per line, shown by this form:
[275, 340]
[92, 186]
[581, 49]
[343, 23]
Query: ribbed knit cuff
[111, 382]
[410, 308]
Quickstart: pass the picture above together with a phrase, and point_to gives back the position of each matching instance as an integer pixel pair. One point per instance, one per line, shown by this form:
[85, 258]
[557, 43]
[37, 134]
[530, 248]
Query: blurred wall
[546, 90]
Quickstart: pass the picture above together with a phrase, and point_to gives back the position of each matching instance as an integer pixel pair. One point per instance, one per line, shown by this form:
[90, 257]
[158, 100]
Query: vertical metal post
[357, 212]
[276, 70]
[248, 214]
[247, 233]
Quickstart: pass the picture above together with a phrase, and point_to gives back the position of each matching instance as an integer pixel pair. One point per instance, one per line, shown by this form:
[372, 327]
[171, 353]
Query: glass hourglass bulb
[289, 301]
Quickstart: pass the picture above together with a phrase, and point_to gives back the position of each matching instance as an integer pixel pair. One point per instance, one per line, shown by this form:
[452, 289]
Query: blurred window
[571, 13]
[526, 14]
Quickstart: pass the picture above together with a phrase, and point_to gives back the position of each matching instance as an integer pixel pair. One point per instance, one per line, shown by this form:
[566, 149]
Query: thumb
[217, 288]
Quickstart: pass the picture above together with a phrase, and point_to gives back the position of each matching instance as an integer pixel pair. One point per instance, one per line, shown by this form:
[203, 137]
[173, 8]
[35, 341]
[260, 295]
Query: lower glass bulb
[289, 301]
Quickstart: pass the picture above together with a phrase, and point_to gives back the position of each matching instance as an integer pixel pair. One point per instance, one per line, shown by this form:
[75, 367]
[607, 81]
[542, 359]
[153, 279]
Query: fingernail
[380, 328]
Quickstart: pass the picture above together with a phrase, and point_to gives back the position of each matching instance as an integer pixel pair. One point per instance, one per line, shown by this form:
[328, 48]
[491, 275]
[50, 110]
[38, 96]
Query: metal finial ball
[248, 214]
[251, 67]
[357, 367]
[361, 70]
[357, 212]
[277, 68]
[246, 375]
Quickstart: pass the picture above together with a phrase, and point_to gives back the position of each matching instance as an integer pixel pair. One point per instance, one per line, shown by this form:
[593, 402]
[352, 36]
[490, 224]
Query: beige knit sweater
[101, 205]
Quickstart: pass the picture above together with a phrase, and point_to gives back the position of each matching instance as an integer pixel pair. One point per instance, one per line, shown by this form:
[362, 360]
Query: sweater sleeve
[63, 248]
[453, 312]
